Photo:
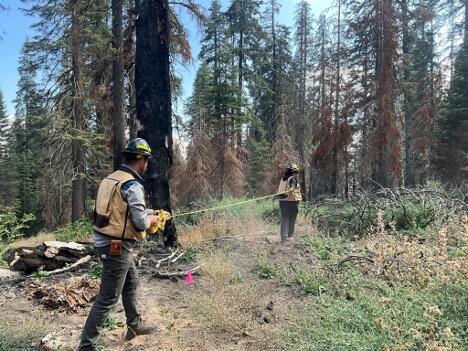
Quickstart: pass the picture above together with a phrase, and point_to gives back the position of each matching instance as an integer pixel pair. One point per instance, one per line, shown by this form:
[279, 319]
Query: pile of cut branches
[409, 210]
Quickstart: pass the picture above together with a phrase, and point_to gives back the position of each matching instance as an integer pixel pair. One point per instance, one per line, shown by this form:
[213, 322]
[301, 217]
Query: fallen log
[49, 256]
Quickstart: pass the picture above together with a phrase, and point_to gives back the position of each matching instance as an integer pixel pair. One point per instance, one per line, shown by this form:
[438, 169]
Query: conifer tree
[223, 102]
[26, 140]
[7, 189]
[259, 151]
[451, 157]
[303, 55]
[3, 126]
[386, 135]
[283, 153]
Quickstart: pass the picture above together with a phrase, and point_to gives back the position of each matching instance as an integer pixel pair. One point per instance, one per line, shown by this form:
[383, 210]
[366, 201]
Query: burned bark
[153, 101]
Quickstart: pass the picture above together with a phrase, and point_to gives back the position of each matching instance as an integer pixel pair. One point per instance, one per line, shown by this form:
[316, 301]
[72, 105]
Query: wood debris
[72, 295]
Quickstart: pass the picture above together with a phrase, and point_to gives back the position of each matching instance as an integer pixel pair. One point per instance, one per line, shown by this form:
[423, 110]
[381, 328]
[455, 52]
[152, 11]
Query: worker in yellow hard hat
[289, 191]
[120, 219]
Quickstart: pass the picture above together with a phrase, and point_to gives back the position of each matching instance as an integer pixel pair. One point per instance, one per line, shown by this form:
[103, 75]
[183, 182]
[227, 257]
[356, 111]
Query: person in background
[289, 191]
[120, 219]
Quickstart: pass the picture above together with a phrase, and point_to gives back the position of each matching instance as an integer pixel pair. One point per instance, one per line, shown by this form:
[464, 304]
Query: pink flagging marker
[189, 278]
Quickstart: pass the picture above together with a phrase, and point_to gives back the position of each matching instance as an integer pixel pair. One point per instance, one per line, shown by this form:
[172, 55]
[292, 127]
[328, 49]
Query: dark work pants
[289, 210]
[119, 276]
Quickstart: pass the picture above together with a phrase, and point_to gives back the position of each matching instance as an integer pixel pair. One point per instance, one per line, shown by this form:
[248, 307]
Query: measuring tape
[229, 205]
[164, 216]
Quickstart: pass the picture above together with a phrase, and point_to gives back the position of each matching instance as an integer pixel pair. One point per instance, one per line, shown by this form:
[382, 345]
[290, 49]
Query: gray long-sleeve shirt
[133, 193]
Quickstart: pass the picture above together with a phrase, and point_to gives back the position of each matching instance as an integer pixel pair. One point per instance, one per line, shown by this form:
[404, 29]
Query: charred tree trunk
[153, 100]
[118, 128]
[129, 64]
[77, 152]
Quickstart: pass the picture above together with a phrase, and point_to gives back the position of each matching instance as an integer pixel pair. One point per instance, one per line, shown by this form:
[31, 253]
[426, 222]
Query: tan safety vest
[294, 195]
[111, 212]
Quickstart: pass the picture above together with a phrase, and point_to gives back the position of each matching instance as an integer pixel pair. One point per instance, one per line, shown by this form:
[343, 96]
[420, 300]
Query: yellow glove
[164, 216]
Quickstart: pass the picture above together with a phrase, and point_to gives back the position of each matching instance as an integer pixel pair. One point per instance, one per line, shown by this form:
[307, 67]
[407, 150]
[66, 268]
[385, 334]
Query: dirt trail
[167, 304]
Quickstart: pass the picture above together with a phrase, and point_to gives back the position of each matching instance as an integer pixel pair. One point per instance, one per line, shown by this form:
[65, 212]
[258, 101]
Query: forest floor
[314, 292]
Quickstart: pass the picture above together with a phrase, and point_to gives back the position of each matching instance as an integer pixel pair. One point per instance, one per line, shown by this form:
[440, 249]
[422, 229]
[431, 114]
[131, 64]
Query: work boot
[141, 329]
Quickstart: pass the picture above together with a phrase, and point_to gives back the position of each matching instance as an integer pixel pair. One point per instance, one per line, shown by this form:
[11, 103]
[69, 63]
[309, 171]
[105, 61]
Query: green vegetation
[191, 254]
[96, 271]
[325, 247]
[111, 323]
[40, 273]
[364, 314]
[410, 212]
[395, 292]
[19, 337]
[78, 231]
[265, 209]
[11, 226]
[264, 268]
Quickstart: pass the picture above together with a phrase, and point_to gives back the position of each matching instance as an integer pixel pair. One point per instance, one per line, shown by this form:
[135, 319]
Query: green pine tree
[7, 189]
[28, 140]
[259, 157]
[451, 157]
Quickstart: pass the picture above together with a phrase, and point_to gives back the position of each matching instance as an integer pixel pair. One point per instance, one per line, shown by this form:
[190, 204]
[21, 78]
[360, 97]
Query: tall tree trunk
[274, 123]
[409, 123]
[334, 174]
[77, 152]
[241, 74]
[386, 138]
[301, 113]
[153, 100]
[129, 60]
[118, 127]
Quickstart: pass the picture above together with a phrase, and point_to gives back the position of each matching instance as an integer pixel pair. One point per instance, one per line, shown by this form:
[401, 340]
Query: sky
[15, 28]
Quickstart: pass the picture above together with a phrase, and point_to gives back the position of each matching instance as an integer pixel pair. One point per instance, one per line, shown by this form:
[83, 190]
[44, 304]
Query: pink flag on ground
[189, 278]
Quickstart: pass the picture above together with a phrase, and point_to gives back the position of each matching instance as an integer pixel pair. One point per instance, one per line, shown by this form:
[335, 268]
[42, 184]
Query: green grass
[359, 313]
[311, 281]
[325, 247]
[191, 254]
[112, 323]
[78, 231]
[20, 337]
[264, 268]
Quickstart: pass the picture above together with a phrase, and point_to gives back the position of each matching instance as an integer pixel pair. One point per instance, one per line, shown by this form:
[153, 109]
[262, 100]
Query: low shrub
[407, 211]
[20, 337]
[12, 227]
[366, 315]
[264, 268]
[79, 231]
